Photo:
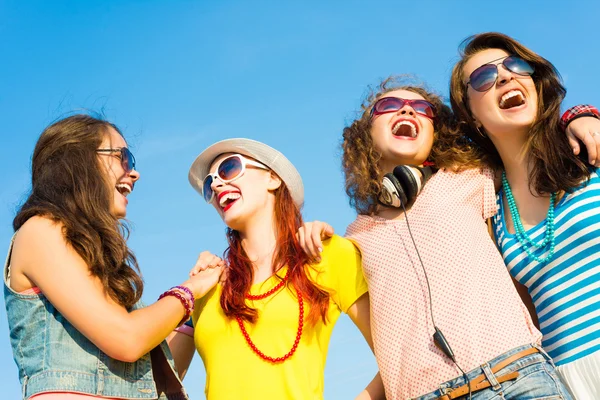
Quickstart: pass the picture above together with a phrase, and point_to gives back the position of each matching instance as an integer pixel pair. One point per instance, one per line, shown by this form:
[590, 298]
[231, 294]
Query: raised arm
[43, 256]
[582, 123]
[311, 236]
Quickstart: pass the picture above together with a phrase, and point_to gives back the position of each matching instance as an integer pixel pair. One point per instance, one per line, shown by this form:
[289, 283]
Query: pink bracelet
[187, 305]
[187, 290]
[186, 330]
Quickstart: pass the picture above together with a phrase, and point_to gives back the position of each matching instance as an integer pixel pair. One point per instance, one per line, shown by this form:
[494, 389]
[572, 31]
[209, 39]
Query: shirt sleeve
[340, 272]
[582, 110]
[489, 194]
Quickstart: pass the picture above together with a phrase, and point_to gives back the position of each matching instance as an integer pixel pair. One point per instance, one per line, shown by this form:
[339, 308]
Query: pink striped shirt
[474, 301]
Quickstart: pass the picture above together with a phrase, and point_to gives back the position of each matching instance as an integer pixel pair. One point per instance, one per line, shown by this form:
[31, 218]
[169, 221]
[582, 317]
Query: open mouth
[514, 98]
[124, 189]
[226, 199]
[405, 128]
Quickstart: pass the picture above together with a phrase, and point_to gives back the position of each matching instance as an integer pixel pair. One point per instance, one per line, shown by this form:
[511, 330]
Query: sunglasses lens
[207, 189]
[423, 107]
[127, 159]
[484, 77]
[518, 65]
[388, 104]
[230, 168]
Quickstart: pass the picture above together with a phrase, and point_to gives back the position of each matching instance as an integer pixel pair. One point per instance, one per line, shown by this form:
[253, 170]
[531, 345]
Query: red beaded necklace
[270, 292]
[298, 333]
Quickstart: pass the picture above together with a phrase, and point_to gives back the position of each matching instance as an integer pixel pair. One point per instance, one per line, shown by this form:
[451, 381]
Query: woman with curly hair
[72, 286]
[548, 223]
[446, 318]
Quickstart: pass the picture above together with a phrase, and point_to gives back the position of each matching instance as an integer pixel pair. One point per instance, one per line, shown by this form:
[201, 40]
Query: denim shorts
[537, 380]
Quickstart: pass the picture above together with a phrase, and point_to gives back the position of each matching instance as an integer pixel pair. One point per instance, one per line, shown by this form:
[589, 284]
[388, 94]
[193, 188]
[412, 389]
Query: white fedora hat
[262, 153]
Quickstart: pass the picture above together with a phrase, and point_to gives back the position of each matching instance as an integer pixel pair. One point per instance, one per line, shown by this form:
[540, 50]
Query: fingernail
[320, 249]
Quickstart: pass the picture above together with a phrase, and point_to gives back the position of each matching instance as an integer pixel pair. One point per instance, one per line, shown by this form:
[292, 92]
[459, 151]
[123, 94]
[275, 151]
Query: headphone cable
[438, 337]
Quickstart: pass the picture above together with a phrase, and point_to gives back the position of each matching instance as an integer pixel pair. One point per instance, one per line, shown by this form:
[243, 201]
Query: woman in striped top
[548, 224]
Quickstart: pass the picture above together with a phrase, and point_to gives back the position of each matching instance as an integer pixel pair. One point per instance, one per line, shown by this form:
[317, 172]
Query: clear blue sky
[177, 76]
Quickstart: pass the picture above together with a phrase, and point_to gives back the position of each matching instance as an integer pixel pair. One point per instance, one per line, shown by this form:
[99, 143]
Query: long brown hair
[69, 186]
[360, 158]
[554, 167]
[288, 252]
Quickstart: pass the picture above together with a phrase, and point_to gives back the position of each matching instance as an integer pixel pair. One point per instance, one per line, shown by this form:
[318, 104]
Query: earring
[481, 132]
[478, 128]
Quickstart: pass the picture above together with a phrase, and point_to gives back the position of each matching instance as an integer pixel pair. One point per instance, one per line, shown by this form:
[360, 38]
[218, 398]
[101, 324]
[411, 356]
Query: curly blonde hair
[360, 158]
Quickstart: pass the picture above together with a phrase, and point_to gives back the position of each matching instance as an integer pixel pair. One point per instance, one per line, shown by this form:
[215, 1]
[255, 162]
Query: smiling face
[249, 196]
[118, 179]
[403, 136]
[509, 106]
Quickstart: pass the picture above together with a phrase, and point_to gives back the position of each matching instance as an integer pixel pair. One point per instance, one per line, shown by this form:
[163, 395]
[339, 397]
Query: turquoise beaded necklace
[526, 242]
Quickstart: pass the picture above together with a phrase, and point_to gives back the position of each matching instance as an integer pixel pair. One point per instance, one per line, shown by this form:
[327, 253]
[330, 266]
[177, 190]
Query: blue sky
[177, 76]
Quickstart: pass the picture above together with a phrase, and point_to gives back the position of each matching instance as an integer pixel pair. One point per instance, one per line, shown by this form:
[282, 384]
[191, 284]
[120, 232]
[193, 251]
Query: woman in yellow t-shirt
[266, 326]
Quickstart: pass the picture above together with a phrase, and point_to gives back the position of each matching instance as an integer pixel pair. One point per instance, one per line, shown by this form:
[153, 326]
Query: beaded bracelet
[187, 290]
[186, 303]
[185, 293]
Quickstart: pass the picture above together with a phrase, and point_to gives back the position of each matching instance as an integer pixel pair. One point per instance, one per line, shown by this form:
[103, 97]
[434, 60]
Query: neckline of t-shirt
[533, 229]
[559, 205]
[261, 285]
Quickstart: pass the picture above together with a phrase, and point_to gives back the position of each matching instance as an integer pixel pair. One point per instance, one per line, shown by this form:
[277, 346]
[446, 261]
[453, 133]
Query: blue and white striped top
[566, 290]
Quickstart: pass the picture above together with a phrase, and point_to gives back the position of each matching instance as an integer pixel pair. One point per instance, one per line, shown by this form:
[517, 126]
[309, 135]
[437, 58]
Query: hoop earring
[480, 132]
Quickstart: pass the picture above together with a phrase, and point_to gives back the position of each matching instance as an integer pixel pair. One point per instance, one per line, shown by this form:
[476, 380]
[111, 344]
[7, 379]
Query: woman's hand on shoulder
[311, 236]
[586, 130]
[209, 269]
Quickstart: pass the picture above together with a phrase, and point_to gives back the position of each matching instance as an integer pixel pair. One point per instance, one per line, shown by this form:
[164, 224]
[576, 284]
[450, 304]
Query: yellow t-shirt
[234, 371]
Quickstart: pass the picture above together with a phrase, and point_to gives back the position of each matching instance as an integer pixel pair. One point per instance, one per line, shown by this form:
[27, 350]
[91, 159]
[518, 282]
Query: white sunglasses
[229, 169]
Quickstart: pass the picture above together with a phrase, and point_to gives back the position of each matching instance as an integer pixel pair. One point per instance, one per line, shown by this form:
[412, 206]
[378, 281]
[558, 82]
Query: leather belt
[480, 382]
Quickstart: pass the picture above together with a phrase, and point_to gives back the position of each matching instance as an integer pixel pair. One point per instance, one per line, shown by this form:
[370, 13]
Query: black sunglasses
[484, 77]
[127, 158]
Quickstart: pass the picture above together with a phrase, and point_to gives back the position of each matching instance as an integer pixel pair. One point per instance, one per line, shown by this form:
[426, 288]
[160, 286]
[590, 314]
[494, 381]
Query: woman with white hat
[266, 326]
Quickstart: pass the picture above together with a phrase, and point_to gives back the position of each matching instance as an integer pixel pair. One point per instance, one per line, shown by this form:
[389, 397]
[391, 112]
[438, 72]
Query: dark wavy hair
[554, 167]
[360, 158]
[69, 186]
[240, 273]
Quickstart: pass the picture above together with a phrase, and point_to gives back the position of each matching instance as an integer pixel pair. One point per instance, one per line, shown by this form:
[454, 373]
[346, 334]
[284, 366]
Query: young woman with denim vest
[548, 224]
[72, 286]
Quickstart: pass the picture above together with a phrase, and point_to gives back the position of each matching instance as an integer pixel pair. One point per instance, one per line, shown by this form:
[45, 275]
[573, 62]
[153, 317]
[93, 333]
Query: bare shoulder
[40, 241]
[39, 231]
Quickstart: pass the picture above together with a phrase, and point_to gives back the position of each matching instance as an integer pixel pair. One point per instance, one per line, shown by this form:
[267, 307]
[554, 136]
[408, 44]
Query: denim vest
[52, 355]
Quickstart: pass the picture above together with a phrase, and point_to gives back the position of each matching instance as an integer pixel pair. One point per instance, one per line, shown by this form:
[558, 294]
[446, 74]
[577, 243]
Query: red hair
[287, 252]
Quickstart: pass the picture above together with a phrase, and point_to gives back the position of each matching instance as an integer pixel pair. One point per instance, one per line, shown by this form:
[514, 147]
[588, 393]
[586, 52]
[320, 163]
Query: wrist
[198, 288]
[187, 290]
[582, 110]
[185, 297]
